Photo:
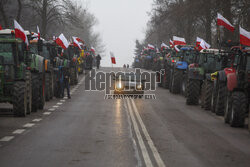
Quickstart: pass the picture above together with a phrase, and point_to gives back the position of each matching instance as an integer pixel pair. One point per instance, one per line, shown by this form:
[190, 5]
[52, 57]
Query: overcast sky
[121, 22]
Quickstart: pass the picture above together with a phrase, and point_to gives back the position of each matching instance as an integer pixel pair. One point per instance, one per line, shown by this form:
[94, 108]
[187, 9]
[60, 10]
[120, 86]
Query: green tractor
[73, 54]
[35, 63]
[48, 65]
[199, 78]
[15, 76]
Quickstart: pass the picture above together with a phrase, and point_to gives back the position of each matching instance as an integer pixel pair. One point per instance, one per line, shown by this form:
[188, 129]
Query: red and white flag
[171, 43]
[1, 27]
[19, 32]
[151, 47]
[79, 40]
[92, 50]
[179, 40]
[164, 46]
[176, 48]
[112, 58]
[62, 41]
[221, 21]
[244, 37]
[38, 32]
[204, 45]
[198, 41]
[76, 43]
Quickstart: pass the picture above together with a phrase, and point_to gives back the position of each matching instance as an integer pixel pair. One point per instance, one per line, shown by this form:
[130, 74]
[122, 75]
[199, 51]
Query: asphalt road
[88, 130]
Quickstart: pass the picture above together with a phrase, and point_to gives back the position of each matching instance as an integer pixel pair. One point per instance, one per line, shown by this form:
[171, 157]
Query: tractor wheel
[47, 86]
[228, 109]
[203, 89]
[176, 81]
[208, 90]
[239, 109]
[214, 97]
[221, 98]
[184, 86]
[41, 92]
[20, 99]
[193, 92]
[29, 91]
[51, 86]
[167, 78]
[35, 92]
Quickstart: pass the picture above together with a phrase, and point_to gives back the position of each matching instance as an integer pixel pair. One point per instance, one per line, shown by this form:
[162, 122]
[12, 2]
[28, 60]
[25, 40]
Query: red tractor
[238, 89]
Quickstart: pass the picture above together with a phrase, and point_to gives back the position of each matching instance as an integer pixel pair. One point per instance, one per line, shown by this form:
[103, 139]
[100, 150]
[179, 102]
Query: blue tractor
[178, 81]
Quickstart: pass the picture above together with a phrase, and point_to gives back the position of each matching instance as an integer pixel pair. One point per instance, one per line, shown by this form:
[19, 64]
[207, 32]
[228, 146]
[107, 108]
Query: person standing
[98, 60]
[66, 84]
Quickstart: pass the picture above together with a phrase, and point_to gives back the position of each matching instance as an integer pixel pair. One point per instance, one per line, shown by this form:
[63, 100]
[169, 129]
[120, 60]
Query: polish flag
[79, 40]
[171, 43]
[176, 48]
[164, 46]
[204, 45]
[244, 37]
[1, 27]
[38, 32]
[221, 21]
[151, 47]
[19, 32]
[179, 40]
[76, 43]
[92, 50]
[112, 58]
[62, 41]
[198, 41]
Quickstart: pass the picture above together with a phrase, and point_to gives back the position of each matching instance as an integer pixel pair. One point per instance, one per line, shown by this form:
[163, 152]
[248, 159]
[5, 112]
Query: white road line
[65, 98]
[59, 103]
[28, 125]
[55, 106]
[139, 137]
[132, 137]
[46, 113]
[37, 120]
[7, 138]
[156, 154]
[51, 109]
[62, 100]
[18, 131]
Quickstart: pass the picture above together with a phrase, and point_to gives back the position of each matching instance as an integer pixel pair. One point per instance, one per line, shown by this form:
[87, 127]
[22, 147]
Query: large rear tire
[221, 99]
[20, 99]
[239, 109]
[29, 91]
[193, 92]
[167, 78]
[176, 81]
[42, 91]
[208, 90]
[35, 92]
[47, 86]
[51, 86]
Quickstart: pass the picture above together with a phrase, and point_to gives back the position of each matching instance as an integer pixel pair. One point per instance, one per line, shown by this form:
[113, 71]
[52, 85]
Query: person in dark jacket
[98, 59]
[66, 76]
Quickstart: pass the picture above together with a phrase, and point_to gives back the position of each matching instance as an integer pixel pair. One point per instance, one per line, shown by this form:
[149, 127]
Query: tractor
[184, 57]
[15, 76]
[73, 53]
[165, 65]
[36, 65]
[48, 65]
[199, 78]
[238, 89]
